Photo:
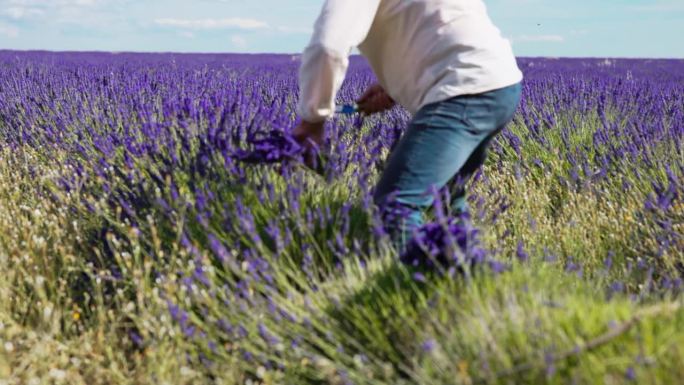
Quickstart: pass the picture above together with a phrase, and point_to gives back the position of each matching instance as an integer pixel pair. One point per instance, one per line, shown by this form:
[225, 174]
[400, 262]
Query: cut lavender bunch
[271, 147]
[280, 147]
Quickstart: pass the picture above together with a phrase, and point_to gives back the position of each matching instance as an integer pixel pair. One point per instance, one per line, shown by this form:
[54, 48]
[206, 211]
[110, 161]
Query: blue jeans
[445, 143]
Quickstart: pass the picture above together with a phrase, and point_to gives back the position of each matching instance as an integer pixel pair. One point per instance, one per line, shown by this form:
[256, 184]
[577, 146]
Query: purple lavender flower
[136, 339]
[453, 242]
[630, 374]
[520, 252]
[419, 277]
[428, 345]
[217, 247]
[266, 335]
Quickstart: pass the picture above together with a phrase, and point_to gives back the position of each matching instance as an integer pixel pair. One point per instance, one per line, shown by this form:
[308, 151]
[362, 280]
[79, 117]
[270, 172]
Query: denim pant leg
[440, 141]
[457, 184]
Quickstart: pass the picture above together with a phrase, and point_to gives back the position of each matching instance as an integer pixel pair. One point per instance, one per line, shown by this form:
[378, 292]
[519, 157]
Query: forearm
[320, 77]
[342, 25]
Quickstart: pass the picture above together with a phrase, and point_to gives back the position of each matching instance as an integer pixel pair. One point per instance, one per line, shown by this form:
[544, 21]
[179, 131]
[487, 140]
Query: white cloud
[87, 13]
[205, 24]
[8, 30]
[238, 41]
[186, 34]
[55, 3]
[19, 12]
[44, 4]
[303, 30]
[539, 38]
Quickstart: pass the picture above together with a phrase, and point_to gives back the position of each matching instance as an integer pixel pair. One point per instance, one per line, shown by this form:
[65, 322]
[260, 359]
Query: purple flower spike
[630, 374]
[419, 277]
[453, 243]
[520, 252]
[217, 247]
[429, 345]
[267, 336]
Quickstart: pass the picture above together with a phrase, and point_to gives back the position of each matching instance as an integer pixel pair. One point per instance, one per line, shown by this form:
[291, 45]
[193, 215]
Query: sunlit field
[138, 246]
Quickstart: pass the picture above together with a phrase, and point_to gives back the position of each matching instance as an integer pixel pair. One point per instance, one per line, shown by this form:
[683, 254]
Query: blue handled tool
[346, 109]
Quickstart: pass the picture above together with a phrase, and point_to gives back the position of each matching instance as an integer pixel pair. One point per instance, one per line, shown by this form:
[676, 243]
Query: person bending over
[442, 60]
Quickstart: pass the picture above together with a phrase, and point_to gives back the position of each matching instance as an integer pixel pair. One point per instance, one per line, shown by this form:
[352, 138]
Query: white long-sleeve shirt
[421, 51]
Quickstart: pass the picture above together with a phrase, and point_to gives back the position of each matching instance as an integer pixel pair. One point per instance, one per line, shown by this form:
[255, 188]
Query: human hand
[310, 136]
[375, 99]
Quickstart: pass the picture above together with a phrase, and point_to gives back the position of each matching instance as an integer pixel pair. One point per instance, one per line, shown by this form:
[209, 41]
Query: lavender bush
[158, 226]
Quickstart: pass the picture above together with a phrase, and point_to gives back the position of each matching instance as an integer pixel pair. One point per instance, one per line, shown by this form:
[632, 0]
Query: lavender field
[137, 246]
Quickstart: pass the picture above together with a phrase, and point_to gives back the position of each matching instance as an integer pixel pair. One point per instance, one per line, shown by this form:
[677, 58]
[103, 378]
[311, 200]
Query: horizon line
[298, 53]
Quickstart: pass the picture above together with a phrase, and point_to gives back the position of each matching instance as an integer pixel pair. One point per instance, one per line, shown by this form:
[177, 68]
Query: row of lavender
[153, 138]
[170, 114]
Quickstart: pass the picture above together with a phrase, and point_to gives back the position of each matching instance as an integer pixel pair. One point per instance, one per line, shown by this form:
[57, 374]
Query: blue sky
[598, 28]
